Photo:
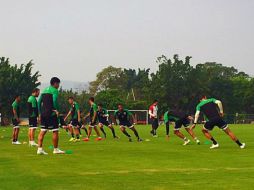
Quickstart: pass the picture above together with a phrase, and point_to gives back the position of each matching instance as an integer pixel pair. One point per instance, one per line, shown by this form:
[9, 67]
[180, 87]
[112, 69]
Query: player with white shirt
[153, 114]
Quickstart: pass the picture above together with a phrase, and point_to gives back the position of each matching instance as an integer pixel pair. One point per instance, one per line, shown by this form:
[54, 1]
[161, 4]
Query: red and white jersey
[153, 111]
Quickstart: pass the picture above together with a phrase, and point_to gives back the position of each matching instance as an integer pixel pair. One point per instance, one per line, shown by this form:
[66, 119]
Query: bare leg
[97, 131]
[55, 139]
[232, 136]
[40, 138]
[179, 134]
[209, 136]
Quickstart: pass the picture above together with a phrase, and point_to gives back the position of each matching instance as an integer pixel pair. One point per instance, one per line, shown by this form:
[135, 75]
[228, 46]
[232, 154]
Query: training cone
[68, 152]
[51, 147]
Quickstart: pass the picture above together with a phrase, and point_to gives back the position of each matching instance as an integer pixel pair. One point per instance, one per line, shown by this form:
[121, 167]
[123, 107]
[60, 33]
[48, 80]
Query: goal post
[141, 116]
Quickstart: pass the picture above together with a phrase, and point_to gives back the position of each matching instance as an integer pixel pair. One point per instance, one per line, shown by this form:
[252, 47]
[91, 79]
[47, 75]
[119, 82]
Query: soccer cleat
[58, 151]
[243, 146]
[76, 140]
[116, 137]
[186, 142]
[130, 140]
[155, 136]
[33, 144]
[16, 143]
[86, 139]
[140, 140]
[214, 146]
[41, 152]
[72, 139]
[198, 142]
[99, 139]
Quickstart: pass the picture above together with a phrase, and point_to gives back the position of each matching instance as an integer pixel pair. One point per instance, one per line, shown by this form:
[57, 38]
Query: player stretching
[93, 120]
[103, 120]
[181, 119]
[33, 115]
[123, 115]
[75, 119]
[16, 120]
[213, 113]
[153, 113]
[48, 111]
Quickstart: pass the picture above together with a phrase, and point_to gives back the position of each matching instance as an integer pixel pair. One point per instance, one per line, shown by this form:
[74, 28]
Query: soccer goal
[141, 116]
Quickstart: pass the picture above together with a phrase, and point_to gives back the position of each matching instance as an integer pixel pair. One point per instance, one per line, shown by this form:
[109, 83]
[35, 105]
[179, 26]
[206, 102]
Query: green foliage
[15, 80]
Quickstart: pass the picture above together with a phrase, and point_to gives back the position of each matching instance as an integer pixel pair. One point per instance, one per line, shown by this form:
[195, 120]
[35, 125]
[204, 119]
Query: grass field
[118, 164]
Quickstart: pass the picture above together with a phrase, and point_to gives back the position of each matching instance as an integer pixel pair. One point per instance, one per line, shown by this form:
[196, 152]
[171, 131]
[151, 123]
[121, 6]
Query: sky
[75, 39]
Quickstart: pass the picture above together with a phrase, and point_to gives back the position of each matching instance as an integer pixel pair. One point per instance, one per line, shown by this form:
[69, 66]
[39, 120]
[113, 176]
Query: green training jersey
[74, 109]
[209, 108]
[48, 101]
[123, 116]
[16, 107]
[32, 106]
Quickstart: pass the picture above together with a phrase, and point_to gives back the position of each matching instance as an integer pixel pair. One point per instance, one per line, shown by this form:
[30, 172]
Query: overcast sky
[75, 39]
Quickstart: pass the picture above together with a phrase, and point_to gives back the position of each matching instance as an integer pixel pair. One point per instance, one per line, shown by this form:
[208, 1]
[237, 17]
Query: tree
[15, 80]
[103, 79]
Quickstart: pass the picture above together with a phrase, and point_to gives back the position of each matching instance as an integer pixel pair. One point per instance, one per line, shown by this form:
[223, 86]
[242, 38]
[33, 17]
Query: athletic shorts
[209, 125]
[155, 122]
[33, 123]
[15, 123]
[75, 123]
[182, 122]
[105, 123]
[49, 123]
[126, 124]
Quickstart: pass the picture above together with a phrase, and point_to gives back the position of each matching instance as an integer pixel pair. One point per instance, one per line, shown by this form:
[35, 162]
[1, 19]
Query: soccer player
[153, 113]
[75, 119]
[123, 115]
[48, 113]
[103, 120]
[181, 119]
[33, 115]
[16, 120]
[212, 110]
[93, 120]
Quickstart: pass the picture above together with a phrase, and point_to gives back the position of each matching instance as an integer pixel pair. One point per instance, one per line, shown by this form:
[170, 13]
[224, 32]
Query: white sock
[39, 148]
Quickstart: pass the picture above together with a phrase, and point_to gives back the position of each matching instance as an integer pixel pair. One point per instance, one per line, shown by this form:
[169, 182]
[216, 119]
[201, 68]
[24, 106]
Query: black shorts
[126, 124]
[15, 123]
[75, 123]
[106, 123]
[219, 122]
[33, 122]
[155, 122]
[182, 122]
[49, 123]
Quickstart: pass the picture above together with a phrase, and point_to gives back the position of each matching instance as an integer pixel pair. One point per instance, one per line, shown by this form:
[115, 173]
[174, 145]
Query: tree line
[176, 84]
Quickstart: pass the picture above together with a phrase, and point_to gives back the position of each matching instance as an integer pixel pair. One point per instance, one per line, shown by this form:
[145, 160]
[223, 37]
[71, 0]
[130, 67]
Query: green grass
[112, 164]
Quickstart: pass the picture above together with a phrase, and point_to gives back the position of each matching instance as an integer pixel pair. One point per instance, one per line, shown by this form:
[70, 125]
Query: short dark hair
[120, 104]
[35, 90]
[155, 101]
[70, 98]
[91, 99]
[100, 104]
[54, 80]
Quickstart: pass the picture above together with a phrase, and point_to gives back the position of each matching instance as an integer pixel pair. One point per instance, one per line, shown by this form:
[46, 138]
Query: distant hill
[68, 85]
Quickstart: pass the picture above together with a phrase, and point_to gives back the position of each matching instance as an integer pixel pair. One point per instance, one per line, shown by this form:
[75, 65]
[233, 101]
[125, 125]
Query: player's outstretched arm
[219, 103]
[66, 117]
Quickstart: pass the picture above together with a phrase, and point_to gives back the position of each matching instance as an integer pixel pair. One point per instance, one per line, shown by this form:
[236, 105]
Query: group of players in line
[45, 112]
